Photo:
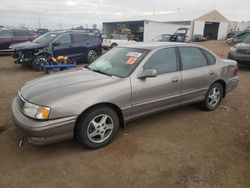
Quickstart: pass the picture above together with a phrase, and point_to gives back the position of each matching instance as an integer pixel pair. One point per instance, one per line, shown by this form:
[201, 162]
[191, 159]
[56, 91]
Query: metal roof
[178, 16]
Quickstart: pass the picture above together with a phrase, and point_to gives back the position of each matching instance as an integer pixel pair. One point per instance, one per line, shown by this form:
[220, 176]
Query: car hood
[27, 45]
[47, 90]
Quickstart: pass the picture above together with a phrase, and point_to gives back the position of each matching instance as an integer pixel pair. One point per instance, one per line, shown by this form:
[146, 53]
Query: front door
[63, 46]
[161, 92]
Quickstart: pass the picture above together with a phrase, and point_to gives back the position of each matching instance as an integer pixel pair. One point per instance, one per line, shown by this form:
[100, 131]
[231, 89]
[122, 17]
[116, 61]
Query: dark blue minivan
[76, 45]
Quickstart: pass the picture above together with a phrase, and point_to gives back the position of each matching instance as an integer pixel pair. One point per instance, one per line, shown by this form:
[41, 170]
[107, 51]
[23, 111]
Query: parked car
[232, 34]
[12, 36]
[241, 52]
[199, 38]
[114, 40]
[42, 31]
[238, 38]
[123, 84]
[76, 45]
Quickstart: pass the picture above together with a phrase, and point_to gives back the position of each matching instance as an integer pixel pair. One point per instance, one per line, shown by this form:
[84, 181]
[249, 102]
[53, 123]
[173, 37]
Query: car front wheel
[39, 62]
[213, 97]
[97, 128]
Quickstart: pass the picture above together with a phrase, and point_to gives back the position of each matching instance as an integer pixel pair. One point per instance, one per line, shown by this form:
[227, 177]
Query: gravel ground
[182, 148]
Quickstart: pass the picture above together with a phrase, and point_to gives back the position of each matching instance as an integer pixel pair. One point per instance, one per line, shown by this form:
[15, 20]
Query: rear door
[161, 92]
[6, 37]
[197, 75]
[20, 36]
[64, 46]
[80, 44]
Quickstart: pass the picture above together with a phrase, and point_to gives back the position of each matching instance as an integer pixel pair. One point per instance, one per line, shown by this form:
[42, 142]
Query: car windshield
[46, 38]
[119, 62]
[247, 39]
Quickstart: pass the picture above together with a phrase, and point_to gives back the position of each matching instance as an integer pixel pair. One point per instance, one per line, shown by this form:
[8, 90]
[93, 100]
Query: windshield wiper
[99, 71]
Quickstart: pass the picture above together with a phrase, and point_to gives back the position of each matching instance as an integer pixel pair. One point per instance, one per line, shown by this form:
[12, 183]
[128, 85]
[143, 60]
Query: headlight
[33, 110]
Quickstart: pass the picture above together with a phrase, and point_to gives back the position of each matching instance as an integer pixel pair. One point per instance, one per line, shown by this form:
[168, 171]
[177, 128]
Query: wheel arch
[105, 104]
[223, 84]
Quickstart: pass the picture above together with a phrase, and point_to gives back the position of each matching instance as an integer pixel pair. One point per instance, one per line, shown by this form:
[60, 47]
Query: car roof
[156, 45]
[70, 31]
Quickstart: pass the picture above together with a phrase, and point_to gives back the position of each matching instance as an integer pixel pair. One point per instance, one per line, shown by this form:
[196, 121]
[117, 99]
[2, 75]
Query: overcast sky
[68, 13]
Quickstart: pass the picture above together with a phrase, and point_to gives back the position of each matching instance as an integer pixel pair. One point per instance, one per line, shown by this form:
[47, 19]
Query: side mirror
[147, 73]
[56, 43]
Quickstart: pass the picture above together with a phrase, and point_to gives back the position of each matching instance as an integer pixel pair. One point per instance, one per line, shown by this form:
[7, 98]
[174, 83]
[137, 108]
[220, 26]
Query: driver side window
[64, 39]
[163, 61]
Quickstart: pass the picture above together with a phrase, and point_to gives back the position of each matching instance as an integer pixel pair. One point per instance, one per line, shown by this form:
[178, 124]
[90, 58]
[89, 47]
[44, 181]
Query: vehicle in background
[199, 38]
[238, 38]
[122, 85]
[162, 38]
[114, 40]
[76, 45]
[12, 36]
[241, 52]
[42, 31]
[232, 34]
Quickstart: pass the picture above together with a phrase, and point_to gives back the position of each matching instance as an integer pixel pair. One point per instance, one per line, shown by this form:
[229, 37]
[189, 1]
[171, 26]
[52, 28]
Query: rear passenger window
[163, 61]
[192, 58]
[64, 39]
[210, 58]
[21, 33]
[79, 37]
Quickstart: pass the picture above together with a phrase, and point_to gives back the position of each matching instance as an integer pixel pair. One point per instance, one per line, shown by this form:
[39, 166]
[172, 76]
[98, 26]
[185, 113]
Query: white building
[208, 23]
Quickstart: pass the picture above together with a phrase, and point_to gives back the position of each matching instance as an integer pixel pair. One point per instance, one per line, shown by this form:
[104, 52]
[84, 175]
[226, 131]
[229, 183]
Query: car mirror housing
[147, 73]
[56, 43]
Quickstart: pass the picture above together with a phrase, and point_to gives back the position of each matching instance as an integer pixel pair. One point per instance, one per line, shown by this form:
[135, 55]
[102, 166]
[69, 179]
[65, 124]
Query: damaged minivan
[76, 45]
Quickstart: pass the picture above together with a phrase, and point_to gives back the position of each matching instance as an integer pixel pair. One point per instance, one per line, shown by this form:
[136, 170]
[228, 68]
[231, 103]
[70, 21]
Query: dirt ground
[183, 148]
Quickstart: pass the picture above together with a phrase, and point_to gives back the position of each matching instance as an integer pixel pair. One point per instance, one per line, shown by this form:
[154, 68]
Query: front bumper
[43, 132]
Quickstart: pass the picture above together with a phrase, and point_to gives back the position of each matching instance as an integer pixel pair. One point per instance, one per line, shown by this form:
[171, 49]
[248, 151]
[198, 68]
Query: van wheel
[92, 56]
[39, 62]
[213, 97]
[114, 45]
[97, 128]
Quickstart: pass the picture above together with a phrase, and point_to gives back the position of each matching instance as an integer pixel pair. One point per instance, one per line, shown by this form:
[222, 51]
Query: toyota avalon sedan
[125, 83]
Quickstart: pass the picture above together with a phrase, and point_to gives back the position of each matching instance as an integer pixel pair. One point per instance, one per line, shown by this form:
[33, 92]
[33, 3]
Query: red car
[12, 36]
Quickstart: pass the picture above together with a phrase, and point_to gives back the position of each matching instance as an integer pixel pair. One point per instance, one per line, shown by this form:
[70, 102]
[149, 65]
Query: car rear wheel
[97, 128]
[92, 56]
[213, 97]
[39, 62]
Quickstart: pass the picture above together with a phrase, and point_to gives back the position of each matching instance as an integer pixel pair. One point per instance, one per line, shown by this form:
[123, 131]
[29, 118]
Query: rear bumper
[43, 132]
[232, 84]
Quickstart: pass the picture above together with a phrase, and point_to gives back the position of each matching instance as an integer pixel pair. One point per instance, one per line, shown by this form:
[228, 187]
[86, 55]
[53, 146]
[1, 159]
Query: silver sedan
[125, 83]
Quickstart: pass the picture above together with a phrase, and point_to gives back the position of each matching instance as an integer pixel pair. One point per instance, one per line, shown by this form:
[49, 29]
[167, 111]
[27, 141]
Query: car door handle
[211, 72]
[175, 80]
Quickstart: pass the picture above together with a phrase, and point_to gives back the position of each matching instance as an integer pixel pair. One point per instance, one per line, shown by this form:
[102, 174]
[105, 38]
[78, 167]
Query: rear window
[192, 58]
[210, 58]
[79, 37]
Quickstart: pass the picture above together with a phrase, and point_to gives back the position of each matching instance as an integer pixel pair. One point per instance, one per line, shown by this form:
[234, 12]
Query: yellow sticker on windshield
[131, 60]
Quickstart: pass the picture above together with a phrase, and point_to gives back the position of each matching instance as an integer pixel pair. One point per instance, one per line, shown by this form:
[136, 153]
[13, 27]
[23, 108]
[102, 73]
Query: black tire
[114, 45]
[208, 101]
[92, 56]
[39, 62]
[84, 126]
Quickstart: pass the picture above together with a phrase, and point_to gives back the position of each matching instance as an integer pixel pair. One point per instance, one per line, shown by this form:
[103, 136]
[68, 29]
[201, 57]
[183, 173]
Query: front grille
[20, 102]
[243, 51]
